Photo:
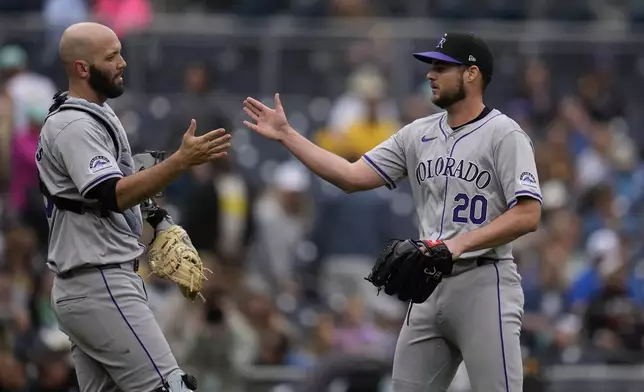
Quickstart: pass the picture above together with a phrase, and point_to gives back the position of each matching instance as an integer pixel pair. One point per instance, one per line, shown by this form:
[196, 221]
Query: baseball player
[92, 193]
[475, 186]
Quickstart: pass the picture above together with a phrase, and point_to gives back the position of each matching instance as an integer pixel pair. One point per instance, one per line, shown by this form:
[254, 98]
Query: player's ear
[82, 68]
[471, 73]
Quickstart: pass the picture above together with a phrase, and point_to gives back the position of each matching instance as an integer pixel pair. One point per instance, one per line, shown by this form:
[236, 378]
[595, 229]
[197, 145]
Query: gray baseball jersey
[461, 180]
[117, 344]
[75, 153]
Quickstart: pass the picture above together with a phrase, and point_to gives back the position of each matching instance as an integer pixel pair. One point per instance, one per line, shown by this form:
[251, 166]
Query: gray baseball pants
[473, 317]
[117, 344]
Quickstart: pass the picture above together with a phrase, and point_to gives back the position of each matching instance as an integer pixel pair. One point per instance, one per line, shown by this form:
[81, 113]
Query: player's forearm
[518, 221]
[143, 185]
[323, 163]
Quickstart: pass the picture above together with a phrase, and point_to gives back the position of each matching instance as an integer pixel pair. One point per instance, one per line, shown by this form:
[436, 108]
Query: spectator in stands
[533, 376]
[22, 260]
[388, 317]
[545, 277]
[199, 100]
[58, 15]
[365, 84]
[349, 373]
[317, 345]
[361, 225]
[598, 210]
[612, 321]
[218, 210]
[534, 101]
[41, 311]
[214, 340]
[13, 375]
[14, 319]
[54, 370]
[232, 342]
[364, 132]
[555, 164]
[594, 163]
[283, 219]
[345, 258]
[6, 134]
[25, 87]
[354, 333]
[597, 92]
[273, 332]
[123, 16]
[24, 176]
[418, 104]
[606, 253]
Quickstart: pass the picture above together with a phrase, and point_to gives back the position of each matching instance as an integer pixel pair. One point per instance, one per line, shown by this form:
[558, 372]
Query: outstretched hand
[270, 123]
[196, 150]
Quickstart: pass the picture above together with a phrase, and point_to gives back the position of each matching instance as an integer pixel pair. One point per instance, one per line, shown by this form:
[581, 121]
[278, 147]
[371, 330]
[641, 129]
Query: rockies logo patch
[99, 163]
[527, 179]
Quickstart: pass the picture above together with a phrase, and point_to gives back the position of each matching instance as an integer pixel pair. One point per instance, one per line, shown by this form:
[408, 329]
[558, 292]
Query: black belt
[481, 261]
[76, 271]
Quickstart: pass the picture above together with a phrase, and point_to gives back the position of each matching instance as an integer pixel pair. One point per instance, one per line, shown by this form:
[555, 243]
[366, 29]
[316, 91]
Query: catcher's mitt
[172, 256]
[403, 270]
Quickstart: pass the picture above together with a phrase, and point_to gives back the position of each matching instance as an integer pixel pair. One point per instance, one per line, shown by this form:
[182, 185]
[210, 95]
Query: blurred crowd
[289, 252]
[126, 14]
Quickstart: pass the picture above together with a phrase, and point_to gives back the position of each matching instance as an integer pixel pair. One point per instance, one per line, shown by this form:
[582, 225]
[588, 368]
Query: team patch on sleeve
[528, 179]
[99, 163]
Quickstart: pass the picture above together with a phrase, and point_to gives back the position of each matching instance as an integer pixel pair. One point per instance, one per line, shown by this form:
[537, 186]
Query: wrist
[288, 133]
[178, 161]
[463, 243]
[156, 217]
[456, 246]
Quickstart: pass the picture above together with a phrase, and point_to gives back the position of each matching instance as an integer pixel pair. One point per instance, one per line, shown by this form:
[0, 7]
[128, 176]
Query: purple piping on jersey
[144, 289]
[498, 298]
[98, 180]
[390, 183]
[444, 202]
[533, 194]
[522, 193]
[440, 124]
[132, 329]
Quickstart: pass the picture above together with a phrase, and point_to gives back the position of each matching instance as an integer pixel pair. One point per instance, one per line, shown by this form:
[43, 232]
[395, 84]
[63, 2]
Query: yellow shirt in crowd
[358, 139]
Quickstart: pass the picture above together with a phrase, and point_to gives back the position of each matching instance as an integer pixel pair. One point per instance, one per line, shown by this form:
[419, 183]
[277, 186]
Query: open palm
[270, 123]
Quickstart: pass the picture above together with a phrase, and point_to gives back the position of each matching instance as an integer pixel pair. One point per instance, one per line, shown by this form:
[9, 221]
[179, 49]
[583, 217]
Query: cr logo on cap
[442, 41]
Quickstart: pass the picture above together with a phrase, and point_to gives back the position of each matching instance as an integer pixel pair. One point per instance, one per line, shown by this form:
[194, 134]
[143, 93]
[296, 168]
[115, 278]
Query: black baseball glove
[403, 269]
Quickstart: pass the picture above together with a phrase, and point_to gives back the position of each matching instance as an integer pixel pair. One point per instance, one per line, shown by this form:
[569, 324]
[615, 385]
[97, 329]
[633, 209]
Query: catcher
[96, 200]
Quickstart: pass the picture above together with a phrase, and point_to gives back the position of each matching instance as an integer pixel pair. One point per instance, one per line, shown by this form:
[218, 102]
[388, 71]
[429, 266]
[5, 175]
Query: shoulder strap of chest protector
[77, 206]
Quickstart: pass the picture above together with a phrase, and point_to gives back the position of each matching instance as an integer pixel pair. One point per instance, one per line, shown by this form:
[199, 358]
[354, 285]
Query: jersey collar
[450, 131]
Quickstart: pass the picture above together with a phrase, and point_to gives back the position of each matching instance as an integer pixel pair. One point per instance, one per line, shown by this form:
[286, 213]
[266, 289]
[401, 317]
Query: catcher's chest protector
[108, 121]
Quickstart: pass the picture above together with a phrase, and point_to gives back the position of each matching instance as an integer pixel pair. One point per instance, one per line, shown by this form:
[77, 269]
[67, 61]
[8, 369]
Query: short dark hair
[486, 80]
